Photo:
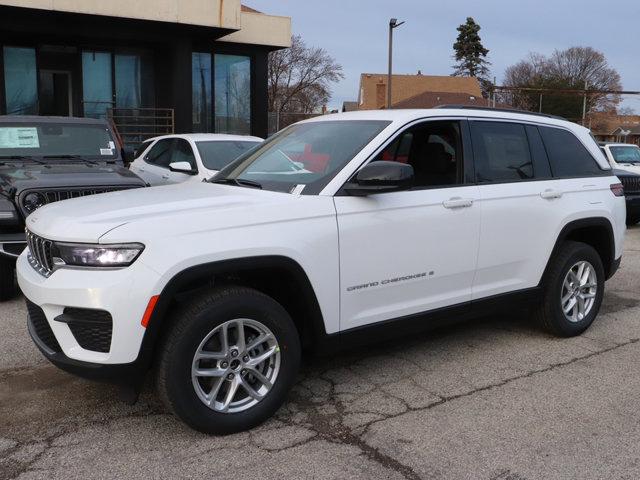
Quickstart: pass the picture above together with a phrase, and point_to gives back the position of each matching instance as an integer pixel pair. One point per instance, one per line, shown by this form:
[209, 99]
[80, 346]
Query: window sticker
[112, 145]
[19, 137]
[106, 151]
[297, 190]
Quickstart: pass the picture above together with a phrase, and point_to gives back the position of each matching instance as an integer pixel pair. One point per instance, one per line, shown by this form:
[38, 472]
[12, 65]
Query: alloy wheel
[236, 365]
[579, 291]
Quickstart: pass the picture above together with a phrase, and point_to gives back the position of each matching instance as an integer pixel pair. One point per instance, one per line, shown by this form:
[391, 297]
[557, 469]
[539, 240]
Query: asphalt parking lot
[493, 399]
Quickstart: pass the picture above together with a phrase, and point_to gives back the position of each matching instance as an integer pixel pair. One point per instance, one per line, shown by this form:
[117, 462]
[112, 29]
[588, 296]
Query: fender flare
[600, 222]
[185, 277]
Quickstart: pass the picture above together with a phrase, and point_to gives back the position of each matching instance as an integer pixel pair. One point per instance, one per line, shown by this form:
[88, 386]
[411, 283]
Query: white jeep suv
[340, 229]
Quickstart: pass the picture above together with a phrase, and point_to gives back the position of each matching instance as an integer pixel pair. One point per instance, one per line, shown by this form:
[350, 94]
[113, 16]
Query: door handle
[166, 177]
[457, 202]
[550, 194]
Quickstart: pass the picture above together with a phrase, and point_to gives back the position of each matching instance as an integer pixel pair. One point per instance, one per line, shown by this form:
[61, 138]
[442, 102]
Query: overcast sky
[354, 32]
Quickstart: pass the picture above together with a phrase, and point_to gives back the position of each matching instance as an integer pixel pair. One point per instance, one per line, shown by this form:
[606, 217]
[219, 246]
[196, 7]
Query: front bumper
[633, 205]
[130, 374]
[123, 293]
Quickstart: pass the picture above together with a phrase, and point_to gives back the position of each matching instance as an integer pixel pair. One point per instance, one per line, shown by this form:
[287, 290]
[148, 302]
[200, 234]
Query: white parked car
[623, 156]
[188, 158]
[337, 230]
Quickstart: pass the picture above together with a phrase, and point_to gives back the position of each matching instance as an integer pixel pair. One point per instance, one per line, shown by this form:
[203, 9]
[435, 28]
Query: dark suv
[47, 159]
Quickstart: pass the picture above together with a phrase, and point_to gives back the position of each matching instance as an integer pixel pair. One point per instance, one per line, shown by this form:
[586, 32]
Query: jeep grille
[39, 254]
[630, 184]
[30, 200]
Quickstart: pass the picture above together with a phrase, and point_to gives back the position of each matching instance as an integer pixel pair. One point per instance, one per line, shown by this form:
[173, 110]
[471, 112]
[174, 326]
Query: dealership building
[152, 67]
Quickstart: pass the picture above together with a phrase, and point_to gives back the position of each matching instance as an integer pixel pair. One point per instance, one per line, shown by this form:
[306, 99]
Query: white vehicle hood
[627, 167]
[165, 210]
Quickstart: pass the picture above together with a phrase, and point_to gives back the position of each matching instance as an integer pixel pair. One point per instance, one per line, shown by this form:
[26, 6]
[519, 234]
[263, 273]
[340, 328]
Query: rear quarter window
[567, 155]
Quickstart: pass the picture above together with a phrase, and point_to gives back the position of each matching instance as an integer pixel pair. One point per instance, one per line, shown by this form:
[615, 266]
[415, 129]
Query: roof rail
[507, 110]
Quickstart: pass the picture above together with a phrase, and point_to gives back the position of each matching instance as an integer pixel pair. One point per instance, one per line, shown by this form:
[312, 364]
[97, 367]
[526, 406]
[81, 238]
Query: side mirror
[128, 156]
[182, 167]
[381, 177]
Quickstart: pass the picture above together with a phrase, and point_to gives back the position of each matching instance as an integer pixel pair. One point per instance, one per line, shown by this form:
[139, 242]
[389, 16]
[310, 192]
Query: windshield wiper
[237, 181]
[71, 157]
[20, 157]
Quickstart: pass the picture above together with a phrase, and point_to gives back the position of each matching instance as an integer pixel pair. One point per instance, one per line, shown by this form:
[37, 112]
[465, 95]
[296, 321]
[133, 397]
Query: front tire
[573, 290]
[8, 287]
[229, 360]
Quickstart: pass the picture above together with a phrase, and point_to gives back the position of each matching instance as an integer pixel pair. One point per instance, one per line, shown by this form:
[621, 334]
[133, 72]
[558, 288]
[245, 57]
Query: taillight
[617, 189]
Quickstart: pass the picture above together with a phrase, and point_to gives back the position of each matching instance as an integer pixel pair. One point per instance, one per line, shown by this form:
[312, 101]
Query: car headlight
[33, 201]
[86, 255]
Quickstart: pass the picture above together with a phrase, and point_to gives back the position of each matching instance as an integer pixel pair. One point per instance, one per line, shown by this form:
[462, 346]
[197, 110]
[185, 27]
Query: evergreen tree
[470, 54]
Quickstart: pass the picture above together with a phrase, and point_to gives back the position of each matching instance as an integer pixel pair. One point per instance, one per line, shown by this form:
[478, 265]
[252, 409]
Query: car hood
[628, 168]
[16, 177]
[154, 211]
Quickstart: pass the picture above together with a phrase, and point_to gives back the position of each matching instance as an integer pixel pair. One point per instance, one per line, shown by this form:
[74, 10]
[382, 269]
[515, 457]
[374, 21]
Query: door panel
[403, 253]
[181, 152]
[518, 228]
[156, 162]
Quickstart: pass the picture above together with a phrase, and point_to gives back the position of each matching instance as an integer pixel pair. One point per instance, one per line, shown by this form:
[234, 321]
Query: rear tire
[8, 286]
[573, 290]
[204, 358]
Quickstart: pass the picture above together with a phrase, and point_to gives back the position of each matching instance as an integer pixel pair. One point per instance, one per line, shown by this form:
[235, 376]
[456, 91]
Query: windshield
[218, 154]
[56, 140]
[630, 154]
[304, 157]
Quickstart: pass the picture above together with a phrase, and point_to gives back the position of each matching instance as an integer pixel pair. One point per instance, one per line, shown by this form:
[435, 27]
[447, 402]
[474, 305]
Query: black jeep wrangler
[47, 159]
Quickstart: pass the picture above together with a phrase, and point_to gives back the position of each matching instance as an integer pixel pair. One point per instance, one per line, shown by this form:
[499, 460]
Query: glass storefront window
[97, 83]
[128, 87]
[232, 87]
[201, 96]
[134, 81]
[20, 81]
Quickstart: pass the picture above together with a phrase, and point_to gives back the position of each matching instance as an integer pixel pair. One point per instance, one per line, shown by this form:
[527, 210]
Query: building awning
[247, 25]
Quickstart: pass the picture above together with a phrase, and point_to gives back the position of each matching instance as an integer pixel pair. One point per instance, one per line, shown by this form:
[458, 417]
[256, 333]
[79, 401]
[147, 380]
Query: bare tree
[569, 69]
[300, 78]
[627, 111]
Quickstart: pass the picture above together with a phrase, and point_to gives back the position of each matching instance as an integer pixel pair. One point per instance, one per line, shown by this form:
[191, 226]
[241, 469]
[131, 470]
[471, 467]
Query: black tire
[8, 286]
[191, 325]
[550, 313]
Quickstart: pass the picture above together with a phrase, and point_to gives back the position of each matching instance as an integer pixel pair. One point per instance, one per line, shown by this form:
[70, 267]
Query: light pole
[393, 23]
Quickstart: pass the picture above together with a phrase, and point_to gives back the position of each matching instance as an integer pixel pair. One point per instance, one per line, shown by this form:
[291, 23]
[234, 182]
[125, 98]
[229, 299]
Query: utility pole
[494, 92]
[393, 23]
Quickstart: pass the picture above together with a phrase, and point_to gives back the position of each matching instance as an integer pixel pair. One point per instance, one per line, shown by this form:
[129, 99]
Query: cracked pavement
[491, 399]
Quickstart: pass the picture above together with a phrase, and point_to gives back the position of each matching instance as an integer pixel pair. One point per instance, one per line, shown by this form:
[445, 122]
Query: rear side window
[501, 152]
[567, 155]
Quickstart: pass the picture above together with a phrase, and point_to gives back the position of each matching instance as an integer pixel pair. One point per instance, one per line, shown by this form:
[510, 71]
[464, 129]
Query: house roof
[433, 99]
[373, 87]
[633, 130]
[606, 123]
[244, 8]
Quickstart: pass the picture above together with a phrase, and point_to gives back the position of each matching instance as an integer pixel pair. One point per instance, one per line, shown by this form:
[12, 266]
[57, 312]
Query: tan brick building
[373, 88]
